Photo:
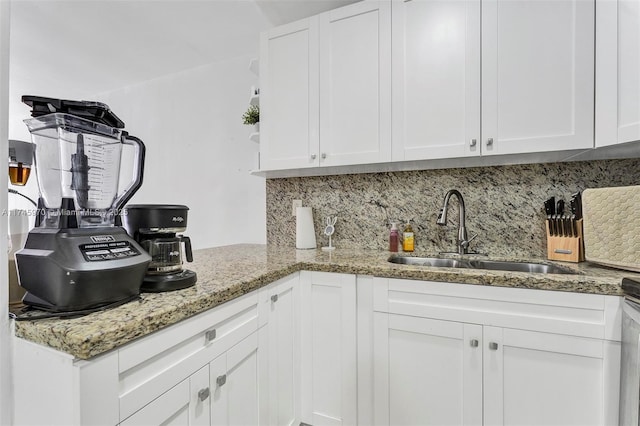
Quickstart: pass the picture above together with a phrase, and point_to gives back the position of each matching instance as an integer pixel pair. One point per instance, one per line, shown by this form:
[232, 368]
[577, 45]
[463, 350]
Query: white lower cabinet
[233, 385]
[426, 372]
[280, 314]
[316, 348]
[447, 354]
[329, 348]
[203, 370]
[543, 378]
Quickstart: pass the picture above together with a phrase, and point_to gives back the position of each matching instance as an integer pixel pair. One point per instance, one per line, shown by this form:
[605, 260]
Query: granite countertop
[225, 273]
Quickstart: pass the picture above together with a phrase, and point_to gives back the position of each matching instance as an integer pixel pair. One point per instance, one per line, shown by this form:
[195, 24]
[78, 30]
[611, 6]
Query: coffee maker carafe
[156, 227]
[75, 259]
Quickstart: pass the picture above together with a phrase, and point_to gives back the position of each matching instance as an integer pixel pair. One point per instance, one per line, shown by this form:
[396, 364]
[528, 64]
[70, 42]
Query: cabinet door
[200, 392]
[329, 358]
[537, 75]
[186, 403]
[617, 72]
[543, 379]
[234, 384]
[242, 382]
[426, 372]
[219, 397]
[355, 84]
[289, 96]
[284, 353]
[436, 79]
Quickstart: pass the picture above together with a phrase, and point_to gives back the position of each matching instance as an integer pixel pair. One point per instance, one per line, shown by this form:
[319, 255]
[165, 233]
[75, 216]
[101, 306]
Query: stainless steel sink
[536, 268]
[430, 261]
[492, 265]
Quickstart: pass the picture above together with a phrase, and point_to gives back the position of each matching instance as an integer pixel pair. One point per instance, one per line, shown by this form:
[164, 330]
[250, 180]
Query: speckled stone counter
[225, 273]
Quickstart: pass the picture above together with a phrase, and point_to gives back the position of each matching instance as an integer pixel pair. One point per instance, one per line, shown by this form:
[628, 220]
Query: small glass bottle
[408, 243]
[393, 239]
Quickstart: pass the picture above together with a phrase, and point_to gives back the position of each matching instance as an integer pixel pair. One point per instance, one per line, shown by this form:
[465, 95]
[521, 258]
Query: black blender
[75, 259]
[156, 227]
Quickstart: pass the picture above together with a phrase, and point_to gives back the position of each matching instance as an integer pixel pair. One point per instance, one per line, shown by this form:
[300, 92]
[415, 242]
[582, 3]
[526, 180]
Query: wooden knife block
[566, 249]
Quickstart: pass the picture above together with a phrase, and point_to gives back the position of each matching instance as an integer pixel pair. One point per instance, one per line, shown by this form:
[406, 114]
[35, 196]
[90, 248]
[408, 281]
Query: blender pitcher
[78, 169]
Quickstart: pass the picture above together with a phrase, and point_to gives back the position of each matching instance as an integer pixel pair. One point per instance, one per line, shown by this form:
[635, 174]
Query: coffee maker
[155, 228]
[75, 259]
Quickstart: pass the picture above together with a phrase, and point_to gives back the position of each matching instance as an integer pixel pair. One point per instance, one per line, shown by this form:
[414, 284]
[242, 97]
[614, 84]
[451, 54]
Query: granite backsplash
[504, 204]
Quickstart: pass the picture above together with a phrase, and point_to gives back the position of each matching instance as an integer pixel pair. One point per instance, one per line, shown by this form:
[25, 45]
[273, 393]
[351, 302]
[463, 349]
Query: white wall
[198, 151]
[5, 335]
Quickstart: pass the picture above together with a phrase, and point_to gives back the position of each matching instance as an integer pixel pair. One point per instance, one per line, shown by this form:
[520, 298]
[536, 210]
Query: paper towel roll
[305, 232]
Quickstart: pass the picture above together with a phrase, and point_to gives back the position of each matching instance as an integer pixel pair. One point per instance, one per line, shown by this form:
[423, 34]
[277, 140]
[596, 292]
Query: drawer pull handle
[210, 335]
[489, 141]
[274, 298]
[313, 156]
[204, 394]
[493, 346]
[474, 343]
[473, 142]
[221, 380]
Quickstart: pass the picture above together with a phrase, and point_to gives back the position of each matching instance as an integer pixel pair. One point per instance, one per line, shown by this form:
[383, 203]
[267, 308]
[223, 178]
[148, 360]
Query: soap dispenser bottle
[408, 243]
[393, 239]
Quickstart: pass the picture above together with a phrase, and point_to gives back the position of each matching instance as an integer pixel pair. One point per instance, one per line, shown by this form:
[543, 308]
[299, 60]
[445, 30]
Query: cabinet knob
[474, 343]
[324, 155]
[274, 298]
[210, 335]
[473, 142]
[493, 346]
[489, 141]
[221, 380]
[204, 394]
[313, 156]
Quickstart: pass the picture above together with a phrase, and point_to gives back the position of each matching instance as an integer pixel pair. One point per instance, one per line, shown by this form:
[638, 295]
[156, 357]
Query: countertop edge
[84, 344]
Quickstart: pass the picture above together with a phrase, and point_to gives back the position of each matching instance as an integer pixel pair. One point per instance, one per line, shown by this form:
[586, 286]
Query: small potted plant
[252, 117]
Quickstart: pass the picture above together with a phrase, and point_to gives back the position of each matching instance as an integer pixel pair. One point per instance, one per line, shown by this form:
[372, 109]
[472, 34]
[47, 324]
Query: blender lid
[89, 110]
[73, 124]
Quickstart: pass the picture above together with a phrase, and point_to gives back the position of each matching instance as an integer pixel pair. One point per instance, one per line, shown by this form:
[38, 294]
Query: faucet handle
[465, 244]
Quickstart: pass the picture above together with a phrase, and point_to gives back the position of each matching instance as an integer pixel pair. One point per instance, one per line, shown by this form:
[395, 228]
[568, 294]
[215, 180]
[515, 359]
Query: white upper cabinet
[289, 96]
[537, 75]
[617, 72]
[403, 80]
[355, 84]
[436, 79]
[326, 89]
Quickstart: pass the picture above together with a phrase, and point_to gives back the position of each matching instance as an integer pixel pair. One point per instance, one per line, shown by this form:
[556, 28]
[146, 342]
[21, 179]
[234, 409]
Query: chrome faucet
[463, 242]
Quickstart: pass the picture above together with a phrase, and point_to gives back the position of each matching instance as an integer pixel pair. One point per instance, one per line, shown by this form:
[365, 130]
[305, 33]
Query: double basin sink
[492, 265]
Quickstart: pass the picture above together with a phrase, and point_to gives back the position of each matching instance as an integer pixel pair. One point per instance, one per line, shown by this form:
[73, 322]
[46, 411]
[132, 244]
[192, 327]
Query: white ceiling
[82, 47]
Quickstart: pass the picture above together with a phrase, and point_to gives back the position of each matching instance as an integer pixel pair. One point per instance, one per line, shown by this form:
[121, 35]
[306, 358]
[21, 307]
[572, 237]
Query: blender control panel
[108, 251]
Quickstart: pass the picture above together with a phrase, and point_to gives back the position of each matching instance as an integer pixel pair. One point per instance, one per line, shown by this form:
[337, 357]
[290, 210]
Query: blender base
[34, 302]
[168, 282]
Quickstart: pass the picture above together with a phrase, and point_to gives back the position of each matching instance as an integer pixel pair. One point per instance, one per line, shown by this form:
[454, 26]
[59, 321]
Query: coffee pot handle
[187, 247]
[138, 172]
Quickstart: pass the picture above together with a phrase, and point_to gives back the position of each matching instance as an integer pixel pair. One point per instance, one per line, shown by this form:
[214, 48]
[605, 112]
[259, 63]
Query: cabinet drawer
[154, 364]
[576, 314]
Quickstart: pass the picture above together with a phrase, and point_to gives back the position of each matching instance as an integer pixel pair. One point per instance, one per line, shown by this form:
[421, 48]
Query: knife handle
[561, 226]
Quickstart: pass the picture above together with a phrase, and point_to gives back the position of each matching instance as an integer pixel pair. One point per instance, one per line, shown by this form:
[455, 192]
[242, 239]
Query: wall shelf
[254, 99]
